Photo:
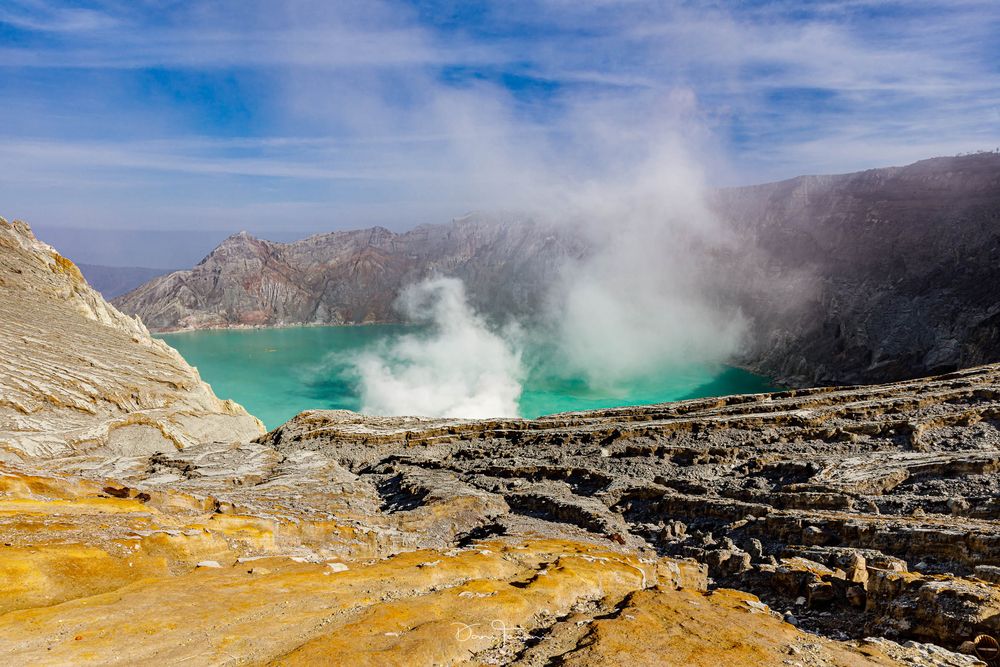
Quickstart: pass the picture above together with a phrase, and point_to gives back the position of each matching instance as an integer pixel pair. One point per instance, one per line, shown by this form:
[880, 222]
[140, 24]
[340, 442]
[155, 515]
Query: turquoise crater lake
[277, 373]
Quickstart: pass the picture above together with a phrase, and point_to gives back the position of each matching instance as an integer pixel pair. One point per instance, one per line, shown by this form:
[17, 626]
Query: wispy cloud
[38, 16]
[402, 112]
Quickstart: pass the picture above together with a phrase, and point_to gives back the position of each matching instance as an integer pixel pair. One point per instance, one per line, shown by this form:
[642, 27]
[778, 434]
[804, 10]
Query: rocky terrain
[846, 526]
[881, 275]
[141, 523]
[857, 511]
[77, 375]
[876, 276]
[104, 575]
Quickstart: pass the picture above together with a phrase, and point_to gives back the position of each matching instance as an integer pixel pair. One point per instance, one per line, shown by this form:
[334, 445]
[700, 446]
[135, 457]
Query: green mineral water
[277, 373]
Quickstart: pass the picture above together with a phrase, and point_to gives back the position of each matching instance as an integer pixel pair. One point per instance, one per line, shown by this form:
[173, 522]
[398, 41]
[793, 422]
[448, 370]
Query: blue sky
[314, 115]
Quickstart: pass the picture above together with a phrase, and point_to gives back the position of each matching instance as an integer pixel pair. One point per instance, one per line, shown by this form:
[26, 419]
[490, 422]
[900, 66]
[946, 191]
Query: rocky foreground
[801, 528]
[77, 375]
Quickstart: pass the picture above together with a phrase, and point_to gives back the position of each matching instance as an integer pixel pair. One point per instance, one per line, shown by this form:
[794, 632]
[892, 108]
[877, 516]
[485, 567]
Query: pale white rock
[78, 376]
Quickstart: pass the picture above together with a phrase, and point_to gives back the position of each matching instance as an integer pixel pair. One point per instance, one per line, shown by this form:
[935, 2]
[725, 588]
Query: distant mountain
[879, 275]
[112, 281]
[355, 276]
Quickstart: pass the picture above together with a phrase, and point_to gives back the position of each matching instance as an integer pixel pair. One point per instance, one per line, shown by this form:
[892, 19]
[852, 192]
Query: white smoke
[645, 302]
[459, 369]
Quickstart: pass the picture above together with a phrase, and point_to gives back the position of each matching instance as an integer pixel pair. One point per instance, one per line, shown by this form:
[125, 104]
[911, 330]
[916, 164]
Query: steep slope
[880, 275]
[77, 375]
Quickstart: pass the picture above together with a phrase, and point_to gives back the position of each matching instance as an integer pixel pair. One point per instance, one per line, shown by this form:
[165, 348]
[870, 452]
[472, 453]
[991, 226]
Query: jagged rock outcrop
[77, 375]
[876, 276]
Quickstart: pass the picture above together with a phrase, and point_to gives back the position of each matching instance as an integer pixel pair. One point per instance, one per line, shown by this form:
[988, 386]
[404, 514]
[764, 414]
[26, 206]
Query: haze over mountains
[878, 275]
[113, 281]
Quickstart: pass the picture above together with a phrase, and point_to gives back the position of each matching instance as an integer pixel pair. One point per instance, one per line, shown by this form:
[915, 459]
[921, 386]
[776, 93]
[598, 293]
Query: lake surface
[277, 373]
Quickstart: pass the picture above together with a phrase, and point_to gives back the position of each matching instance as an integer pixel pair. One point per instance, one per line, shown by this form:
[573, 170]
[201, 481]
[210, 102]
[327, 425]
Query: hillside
[880, 275]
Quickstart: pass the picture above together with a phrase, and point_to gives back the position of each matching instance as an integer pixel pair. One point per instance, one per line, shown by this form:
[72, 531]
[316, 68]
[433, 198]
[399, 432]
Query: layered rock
[103, 576]
[814, 500]
[862, 514]
[78, 375]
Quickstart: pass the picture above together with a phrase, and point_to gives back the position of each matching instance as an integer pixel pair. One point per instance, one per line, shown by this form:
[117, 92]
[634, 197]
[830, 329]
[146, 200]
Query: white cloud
[351, 92]
[44, 17]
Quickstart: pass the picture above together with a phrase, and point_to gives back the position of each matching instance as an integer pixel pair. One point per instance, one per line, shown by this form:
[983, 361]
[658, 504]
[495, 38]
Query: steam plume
[462, 369]
[646, 300]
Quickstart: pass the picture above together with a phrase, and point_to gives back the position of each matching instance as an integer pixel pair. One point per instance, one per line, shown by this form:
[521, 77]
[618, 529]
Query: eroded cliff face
[880, 275]
[78, 375]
